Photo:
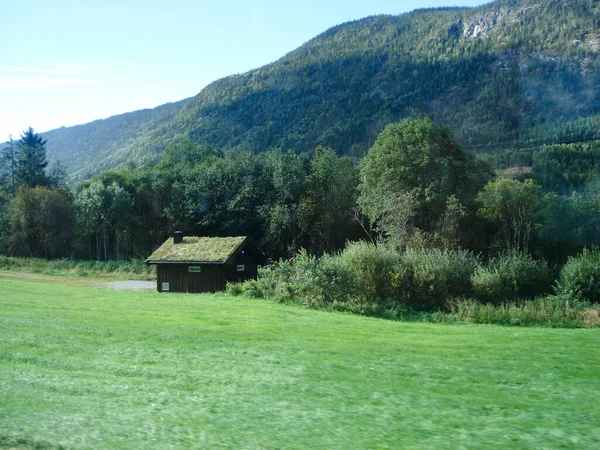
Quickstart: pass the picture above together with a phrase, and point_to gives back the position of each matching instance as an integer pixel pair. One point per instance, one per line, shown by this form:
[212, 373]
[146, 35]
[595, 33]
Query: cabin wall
[211, 278]
[250, 268]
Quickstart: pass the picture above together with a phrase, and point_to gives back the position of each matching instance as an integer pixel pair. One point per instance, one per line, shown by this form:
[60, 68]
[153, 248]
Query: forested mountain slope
[509, 73]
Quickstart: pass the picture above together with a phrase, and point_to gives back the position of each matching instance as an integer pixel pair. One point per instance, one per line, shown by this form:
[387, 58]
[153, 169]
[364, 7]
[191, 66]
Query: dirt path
[130, 285]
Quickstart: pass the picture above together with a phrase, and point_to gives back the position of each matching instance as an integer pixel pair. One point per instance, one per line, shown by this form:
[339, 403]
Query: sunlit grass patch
[88, 368]
[135, 270]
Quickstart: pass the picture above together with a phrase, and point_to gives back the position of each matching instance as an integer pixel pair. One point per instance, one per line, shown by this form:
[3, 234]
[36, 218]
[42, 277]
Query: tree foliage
[8, 167]
[412, 171]
[529, 78]
[513, 205]
[31, 161]
[41, 223]
[580, 277]
[418, 186]
[326, 207]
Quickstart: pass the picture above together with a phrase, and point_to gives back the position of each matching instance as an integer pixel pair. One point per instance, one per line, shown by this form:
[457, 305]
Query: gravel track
[130, 285]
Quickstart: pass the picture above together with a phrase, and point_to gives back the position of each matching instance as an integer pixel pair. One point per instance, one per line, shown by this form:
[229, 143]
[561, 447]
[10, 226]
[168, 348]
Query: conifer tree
[31, 160]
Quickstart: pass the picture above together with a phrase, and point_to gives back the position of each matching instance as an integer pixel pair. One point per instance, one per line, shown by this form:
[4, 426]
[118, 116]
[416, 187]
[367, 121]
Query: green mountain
[506, 74]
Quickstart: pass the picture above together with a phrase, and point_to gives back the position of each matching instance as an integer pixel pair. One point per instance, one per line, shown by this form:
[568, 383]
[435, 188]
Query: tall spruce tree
[31, 160]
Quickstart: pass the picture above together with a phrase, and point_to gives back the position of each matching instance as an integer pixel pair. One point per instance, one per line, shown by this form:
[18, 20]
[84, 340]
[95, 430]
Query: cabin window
[240, 268]
[194, 269]
[165, 287]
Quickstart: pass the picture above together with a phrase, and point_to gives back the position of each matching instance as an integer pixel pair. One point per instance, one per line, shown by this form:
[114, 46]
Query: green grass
[114, 270]
[197, 248]
[89, 368]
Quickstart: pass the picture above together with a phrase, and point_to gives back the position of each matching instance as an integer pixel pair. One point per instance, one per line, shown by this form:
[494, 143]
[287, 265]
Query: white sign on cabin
[194, 269]
[240, 268]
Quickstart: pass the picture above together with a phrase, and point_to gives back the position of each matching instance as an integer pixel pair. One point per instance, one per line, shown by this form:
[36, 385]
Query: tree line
[415, 188]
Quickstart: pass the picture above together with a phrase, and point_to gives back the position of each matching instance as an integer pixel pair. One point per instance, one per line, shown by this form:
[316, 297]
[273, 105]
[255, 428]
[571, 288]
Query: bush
[428, 278]
[553, 311]
[420, 285]
[511, 276]
[234, 289]
[335, 279]
[294, 280]
[355, 279]
[368, 279]
[368, 269]
[580, 276]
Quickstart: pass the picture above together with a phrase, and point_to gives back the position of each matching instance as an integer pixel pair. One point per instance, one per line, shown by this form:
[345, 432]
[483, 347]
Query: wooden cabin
[204, 264]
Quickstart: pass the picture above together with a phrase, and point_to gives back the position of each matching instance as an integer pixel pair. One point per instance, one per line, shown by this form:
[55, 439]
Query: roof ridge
[198, 249]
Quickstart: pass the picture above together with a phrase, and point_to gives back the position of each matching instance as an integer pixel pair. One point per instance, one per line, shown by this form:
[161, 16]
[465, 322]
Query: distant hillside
[508, 73]
[102, 144]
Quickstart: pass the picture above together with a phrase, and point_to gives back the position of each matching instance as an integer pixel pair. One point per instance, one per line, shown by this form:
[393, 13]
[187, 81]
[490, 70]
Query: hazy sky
[66, 62]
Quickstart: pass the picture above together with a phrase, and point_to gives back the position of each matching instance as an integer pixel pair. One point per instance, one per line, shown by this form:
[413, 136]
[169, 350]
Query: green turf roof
[197, 249]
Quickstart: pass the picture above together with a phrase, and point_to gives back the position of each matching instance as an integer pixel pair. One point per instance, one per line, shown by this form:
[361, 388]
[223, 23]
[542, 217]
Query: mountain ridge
[507, 71]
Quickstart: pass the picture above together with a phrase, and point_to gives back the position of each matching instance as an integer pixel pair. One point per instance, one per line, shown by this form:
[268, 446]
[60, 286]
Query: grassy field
[82, 367]
[79, 269]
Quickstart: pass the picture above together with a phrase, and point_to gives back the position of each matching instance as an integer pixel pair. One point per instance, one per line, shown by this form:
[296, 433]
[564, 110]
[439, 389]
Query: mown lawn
[82, 367]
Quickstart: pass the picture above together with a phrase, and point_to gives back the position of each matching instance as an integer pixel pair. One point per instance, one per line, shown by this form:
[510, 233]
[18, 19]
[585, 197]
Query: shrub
[253, 289]
[420, 285]
[554, 311]
[590, 318]
[368, 269]
[294, 280]
[510, 276]
[356, 279]
[580, 276]
[234, 289]
[335, 279]
[430, 277]
[369, 279]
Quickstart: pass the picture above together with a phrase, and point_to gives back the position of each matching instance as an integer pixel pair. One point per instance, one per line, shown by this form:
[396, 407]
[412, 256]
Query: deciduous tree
[325, 211]
[8, 167]
[412, 171]
[41, 222]
[513, 205]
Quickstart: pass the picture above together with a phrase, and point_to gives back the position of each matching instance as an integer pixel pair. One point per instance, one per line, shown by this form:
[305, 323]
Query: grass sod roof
[197, 249]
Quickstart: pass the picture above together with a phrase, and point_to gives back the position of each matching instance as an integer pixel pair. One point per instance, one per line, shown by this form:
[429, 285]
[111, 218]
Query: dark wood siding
[250, 268]
[211, 278]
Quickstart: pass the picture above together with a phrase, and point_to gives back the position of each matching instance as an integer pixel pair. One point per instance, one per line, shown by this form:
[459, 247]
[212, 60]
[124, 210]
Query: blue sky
[70, 62]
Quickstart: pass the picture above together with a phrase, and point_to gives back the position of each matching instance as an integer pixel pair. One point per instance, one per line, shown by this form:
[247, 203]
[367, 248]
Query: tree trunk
[104, 239]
